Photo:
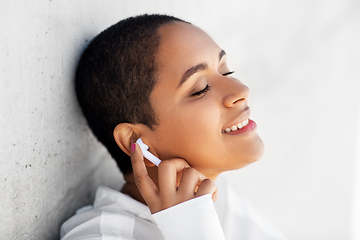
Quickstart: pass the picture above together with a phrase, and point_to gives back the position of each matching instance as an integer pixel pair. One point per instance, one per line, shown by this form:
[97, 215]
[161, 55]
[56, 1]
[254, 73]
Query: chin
[256, 153]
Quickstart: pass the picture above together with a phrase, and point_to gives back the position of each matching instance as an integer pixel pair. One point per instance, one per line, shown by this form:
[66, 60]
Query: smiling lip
[246, 129]
[245, 114]
[241, 125]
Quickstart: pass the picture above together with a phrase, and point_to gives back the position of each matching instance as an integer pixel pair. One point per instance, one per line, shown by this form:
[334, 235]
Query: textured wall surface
[300, 59]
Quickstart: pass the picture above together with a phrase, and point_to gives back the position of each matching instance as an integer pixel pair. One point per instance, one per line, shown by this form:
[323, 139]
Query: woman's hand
[171, 191]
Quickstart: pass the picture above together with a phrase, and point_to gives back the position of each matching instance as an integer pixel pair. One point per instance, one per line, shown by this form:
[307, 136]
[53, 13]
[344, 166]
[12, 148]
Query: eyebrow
[196, 68]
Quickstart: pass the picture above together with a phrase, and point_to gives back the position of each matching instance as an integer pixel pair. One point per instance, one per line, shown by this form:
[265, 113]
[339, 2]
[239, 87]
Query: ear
[122, 135]
[125, 134]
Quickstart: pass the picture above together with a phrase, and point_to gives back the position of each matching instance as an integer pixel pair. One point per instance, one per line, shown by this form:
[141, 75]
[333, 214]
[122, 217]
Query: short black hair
[115, 77]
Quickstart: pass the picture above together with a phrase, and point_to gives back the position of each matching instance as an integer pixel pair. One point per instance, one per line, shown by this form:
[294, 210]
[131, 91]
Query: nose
[235, 93]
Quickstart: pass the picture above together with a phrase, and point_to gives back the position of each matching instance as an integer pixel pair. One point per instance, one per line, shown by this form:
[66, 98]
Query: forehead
[182, 46]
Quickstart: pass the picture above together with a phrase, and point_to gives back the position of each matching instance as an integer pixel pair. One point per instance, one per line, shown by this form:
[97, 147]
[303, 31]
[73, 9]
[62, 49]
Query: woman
[166, 81]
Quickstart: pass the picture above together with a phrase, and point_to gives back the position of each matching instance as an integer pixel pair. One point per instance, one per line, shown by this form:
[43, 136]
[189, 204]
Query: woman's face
[197, 102]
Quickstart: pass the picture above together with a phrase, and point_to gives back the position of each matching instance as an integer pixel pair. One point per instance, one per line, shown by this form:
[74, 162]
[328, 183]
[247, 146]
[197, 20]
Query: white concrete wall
[300, 59]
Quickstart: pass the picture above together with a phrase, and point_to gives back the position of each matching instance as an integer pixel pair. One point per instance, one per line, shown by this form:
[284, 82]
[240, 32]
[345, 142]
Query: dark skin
[130, 187]
[178, 181]
[150, 178]
[195, 101]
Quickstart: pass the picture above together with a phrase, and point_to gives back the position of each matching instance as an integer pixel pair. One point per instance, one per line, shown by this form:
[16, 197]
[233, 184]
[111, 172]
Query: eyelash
[207, 88]
[202, 92]
[228, 73]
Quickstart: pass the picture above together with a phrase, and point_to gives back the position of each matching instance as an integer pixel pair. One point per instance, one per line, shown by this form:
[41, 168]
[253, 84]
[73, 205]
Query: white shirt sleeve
[194, 219]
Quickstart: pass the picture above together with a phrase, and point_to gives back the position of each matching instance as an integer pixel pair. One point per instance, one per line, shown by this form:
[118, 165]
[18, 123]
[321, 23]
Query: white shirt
[117, 216]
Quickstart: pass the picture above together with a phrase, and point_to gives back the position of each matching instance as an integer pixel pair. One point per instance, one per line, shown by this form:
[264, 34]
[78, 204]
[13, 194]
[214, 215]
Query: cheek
[189, 132]
[200, 122]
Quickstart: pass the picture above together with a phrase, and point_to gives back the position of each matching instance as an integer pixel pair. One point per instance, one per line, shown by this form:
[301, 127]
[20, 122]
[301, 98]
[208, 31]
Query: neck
[131, 189]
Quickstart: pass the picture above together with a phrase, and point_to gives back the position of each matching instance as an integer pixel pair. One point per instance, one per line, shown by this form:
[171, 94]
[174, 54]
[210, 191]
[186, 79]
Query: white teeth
[237, 126]
[245, 122]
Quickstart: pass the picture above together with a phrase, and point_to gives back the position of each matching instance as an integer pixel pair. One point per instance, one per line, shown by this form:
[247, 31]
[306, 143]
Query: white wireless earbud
[148, 155]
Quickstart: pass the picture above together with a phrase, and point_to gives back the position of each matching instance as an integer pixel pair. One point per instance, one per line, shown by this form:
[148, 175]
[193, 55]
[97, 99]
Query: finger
[144, 183]
[190, 179]
[207, 186]
[167, 172]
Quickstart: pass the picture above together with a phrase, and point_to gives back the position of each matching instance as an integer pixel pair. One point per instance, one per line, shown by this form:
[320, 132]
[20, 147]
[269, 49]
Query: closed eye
[202, 92]
[228, 73]
[207, 88]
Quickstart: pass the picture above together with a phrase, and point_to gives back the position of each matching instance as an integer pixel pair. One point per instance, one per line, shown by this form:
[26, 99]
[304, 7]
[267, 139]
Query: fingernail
[133, 147]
